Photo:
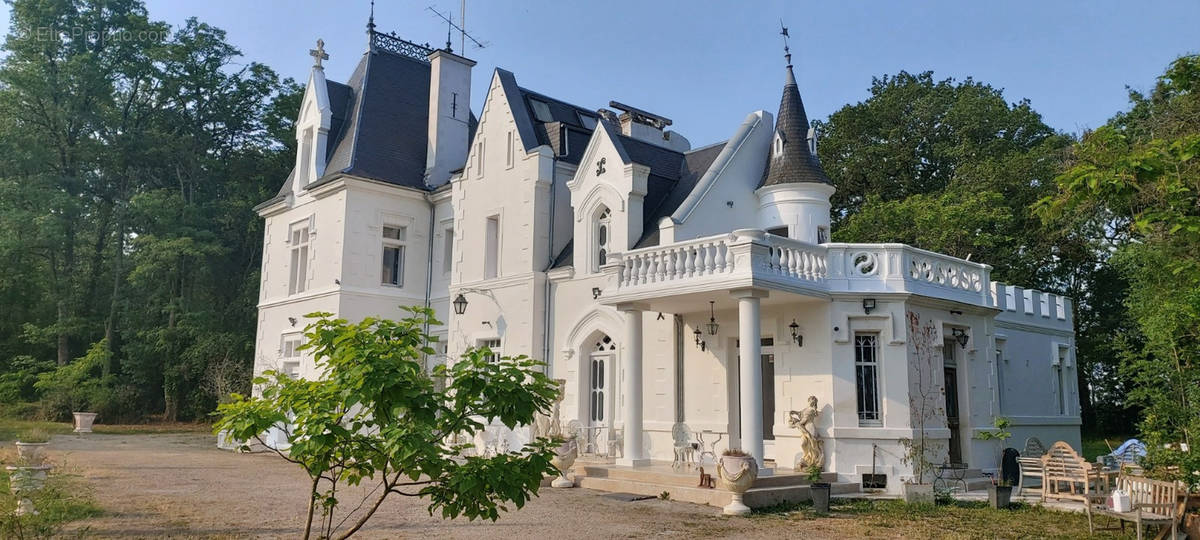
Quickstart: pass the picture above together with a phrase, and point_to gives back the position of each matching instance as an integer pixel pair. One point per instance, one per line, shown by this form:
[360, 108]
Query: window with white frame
[298, 237]
[822, 234]
[394, 238]
[1000, 374]
[494, 347]
[479, 157]
[1060, 380]
[603, 232]
[447, 250]
[306, 144]
[289, 350]
[491, 252]
[510, 154]
[866, 377]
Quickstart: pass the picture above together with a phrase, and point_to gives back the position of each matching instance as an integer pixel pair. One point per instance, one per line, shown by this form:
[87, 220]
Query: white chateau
[665, 284]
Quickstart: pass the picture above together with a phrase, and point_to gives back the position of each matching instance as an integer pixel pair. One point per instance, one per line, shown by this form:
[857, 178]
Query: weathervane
[318, 54]
[787, 53]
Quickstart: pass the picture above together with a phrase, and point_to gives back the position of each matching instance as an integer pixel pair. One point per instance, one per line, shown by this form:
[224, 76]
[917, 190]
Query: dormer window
[778, 146]
[603, 234]
[541, 110]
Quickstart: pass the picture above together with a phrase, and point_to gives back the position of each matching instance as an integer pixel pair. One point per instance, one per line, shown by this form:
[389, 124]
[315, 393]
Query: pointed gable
[792, 163]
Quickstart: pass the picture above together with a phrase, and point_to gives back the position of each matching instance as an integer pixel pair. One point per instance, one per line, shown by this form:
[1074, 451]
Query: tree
[1138, 180]
[376, 416]
[953, 167]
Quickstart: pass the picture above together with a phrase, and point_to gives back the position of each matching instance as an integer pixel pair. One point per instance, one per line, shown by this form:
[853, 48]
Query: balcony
[753, 258]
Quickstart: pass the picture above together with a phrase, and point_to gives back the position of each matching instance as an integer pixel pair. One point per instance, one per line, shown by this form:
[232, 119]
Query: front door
[950, 371]
[598, 400]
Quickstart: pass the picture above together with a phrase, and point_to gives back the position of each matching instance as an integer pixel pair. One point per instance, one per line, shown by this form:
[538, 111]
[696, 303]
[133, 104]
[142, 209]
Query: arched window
[603, 233]
[778, 145]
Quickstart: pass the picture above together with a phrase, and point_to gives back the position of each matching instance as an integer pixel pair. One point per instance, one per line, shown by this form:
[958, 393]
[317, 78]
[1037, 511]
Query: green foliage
[813, 474]
[83, 386]
[64, 498]
[377, 416]
[1138, 180]
[1001, 434]
[129, 169]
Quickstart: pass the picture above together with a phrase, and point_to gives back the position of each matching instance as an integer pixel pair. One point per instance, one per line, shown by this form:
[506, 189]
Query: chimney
[449, 115]
[646, 126]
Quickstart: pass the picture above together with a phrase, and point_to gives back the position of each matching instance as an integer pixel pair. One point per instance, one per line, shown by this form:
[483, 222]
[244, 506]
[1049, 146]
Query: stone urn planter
[736, 472]
[917, 493]
[999, 496]
[820, 496]
[84, 421]
[564, 458]
[31, 452]
[22, 481]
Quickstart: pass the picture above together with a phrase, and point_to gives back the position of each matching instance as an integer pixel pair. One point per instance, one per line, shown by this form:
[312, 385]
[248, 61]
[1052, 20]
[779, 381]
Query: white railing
[795, 259]
[835, 267]
[708, 256]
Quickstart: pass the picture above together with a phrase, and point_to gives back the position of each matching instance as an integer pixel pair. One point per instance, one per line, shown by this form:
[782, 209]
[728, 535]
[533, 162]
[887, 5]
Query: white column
[631, 390]
[750, 371]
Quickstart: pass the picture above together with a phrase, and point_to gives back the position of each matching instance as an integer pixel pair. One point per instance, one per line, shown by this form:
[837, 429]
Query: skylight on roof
[541, 110]
[586, 121]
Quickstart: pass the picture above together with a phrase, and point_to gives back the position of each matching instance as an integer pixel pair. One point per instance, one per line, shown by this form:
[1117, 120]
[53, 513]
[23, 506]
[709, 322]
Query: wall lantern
[460, 304]
[595, 293]
[799, 339]
[699, 342]
[868, 305]
[955, 312]
[961, 336]
[712, 319]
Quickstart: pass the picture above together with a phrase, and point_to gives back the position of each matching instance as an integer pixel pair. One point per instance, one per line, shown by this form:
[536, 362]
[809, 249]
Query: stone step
[756, 497]
[685, 477]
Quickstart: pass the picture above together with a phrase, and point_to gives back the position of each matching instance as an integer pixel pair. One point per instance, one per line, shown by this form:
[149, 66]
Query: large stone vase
[84, 421]
[31, 452]
[22, 481]
[564, 458]
[736, 474]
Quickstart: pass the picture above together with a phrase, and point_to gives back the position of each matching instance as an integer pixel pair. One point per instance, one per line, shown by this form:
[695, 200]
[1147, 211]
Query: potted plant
[818, 489]
[84, 421]
[30, 445]
[736, 472]
[1000, 491]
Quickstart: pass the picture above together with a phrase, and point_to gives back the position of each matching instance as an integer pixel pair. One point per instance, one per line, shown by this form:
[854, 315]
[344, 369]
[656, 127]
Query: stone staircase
[652, 481]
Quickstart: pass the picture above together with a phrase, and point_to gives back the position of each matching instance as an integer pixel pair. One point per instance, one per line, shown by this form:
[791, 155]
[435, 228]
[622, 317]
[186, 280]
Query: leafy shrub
[83, 385]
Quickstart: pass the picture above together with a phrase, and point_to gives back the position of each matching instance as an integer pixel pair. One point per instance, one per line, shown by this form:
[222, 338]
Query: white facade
[600, 246]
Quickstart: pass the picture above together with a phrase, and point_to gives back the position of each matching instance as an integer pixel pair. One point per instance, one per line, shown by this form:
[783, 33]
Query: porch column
[750, 370]
[631, 390]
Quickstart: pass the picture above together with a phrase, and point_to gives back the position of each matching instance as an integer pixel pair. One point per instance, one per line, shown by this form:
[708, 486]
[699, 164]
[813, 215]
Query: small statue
[550, 425]
[706, 480]
[811, 446]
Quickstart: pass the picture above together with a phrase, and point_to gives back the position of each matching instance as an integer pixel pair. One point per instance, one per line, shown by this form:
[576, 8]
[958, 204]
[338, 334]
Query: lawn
[860, 518]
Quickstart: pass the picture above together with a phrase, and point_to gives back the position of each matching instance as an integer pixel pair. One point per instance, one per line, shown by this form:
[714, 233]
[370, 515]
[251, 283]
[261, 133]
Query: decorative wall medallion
[600, 166]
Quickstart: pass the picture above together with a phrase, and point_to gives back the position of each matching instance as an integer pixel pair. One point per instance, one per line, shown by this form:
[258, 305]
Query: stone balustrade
[751, 257]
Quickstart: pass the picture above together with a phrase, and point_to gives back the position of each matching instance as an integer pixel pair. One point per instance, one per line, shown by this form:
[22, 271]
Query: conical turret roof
[795, 164]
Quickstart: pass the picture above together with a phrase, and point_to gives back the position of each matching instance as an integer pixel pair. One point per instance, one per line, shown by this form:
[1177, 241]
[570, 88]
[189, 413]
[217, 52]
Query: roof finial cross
[787, 53]
[318, 54]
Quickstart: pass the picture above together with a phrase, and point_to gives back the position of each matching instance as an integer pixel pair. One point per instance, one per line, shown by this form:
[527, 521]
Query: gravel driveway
[182, 486]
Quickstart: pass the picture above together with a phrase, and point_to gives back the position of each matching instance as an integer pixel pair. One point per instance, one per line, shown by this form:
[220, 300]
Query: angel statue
[811, 446]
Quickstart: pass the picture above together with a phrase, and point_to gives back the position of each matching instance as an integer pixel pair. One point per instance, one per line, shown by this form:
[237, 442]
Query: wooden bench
[1030, 461]
[1062, 466]
[1154, 502]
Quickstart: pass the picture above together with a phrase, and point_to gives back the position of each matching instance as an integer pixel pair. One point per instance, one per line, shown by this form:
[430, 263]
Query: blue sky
[707, 64]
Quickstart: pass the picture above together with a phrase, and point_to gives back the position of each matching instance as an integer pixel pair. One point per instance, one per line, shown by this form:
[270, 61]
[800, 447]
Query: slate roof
[673, 176]
[563, 130]
[795, 164]
[386, 130]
